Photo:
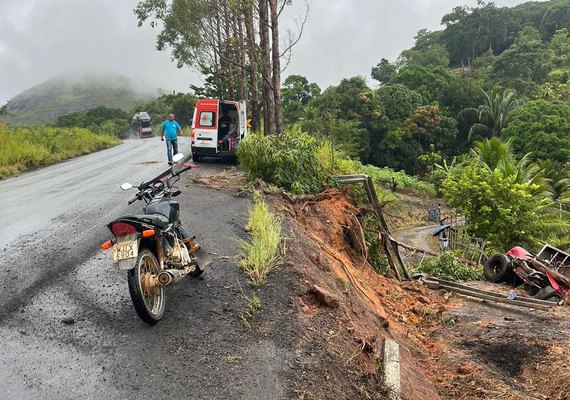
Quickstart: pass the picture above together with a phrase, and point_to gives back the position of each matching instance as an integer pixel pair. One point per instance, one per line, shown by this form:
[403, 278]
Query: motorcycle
[153, 247]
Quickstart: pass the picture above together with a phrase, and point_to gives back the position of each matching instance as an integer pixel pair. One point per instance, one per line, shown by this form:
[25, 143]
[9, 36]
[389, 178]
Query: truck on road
[141, 125]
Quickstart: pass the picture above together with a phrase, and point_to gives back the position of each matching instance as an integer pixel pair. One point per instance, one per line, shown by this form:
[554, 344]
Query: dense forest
[481, 109]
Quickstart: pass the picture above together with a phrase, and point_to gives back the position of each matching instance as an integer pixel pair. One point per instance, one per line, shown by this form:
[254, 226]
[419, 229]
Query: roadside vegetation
[448, 266]
[263, 252]
[27, 148]
[289, 161]
[305, 164]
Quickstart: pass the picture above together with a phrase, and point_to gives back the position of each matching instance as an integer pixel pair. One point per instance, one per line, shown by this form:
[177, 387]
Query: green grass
[404, 181]
[27, 148]
[254, 303]
[263, 253]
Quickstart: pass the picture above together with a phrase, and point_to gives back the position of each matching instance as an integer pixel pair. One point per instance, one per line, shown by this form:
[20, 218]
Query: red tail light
[120, 228]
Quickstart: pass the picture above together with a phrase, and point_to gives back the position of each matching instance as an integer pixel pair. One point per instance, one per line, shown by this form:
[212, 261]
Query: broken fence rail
[436, 283]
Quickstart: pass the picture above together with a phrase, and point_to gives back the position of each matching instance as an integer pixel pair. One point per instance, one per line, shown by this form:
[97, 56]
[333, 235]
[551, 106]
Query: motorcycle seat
[158, 220]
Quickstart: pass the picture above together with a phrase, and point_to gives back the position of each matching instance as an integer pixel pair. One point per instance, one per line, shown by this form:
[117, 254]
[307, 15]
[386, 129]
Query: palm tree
[549, 180]
[493, 116]
[494, 154]
[558, 176]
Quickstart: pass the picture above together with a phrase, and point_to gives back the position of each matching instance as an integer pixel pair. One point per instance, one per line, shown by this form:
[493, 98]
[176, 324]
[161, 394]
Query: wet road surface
[67, 326]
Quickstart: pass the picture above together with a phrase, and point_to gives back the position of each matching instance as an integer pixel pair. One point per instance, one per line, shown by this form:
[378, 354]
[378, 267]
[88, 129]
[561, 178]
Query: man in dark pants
[170, 129]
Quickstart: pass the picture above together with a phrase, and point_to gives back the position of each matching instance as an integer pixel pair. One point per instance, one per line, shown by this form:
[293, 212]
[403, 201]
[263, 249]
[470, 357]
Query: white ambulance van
[218, 126]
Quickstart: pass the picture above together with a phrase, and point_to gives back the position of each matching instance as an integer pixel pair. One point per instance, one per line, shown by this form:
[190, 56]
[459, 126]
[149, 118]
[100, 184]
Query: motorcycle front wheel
[147, 295]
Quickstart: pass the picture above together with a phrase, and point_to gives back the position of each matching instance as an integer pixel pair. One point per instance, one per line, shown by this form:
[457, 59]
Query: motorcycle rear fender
[125, 265]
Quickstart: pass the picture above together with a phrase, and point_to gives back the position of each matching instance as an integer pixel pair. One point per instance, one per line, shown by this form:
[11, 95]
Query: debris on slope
[449, 346]
[485, 355]
[360, 307]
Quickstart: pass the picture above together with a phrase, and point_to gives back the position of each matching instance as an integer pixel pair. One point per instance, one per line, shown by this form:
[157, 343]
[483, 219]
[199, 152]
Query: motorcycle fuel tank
[169, 208]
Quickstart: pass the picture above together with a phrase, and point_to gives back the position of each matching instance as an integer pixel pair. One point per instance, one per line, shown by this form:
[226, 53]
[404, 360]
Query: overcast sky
[40, 39]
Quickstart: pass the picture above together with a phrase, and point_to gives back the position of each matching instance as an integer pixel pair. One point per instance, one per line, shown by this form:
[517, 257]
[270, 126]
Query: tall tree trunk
[268, 102]
[254, 100]
[228, 52]
[240, 52]
[218, 65]
[276, 66]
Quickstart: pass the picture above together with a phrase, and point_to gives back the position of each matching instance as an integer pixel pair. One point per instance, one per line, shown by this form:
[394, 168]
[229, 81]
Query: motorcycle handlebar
[145, 185]
[137, 197]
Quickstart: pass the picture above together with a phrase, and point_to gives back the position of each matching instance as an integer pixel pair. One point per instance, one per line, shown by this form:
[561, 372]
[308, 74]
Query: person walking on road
[170, 129]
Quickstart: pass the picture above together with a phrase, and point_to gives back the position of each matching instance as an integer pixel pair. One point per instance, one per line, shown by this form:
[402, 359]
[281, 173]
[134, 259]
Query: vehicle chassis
[545, 275]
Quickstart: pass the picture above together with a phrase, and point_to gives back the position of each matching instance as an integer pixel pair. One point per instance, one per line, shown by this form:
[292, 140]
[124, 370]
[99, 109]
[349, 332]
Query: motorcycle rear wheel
[149, 302]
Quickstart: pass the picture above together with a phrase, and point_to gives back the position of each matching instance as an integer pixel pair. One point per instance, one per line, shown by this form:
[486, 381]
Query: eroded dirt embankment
[451, 347]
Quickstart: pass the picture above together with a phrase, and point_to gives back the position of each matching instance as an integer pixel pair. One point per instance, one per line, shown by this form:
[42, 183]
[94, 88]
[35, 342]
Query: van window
[207, 118]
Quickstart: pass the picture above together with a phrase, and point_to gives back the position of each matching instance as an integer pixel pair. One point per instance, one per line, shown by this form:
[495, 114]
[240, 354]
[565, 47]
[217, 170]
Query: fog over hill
[61, 95]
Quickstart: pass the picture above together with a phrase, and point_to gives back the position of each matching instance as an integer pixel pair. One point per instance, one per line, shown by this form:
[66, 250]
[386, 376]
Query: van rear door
[206, 125]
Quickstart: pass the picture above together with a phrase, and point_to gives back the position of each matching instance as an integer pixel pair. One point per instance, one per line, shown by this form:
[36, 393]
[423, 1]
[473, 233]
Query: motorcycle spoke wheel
[147, 295]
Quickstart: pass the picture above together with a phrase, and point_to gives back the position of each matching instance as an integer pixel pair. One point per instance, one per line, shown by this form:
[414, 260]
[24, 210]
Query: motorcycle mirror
[177, 157]
[126, 186]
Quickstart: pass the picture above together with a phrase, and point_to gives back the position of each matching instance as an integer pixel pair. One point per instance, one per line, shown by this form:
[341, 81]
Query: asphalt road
[31, 201]
[67, 327]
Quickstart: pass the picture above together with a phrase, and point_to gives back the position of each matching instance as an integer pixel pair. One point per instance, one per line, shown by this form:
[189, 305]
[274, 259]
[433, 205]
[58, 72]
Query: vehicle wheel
[548, 293]
[497, 268]
[147, 295]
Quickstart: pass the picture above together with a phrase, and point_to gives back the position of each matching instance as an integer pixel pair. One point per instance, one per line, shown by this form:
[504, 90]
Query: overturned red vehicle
[545, 275]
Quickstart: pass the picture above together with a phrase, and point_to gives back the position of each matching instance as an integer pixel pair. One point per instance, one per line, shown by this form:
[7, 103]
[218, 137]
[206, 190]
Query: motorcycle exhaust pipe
[171, 276]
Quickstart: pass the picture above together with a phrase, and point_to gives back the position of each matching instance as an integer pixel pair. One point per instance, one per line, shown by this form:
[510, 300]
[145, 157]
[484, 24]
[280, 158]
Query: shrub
[447, 266]
[499, 209]
[289, 161]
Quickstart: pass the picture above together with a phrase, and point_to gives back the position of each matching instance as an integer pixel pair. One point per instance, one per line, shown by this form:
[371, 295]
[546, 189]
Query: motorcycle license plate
[124, 250]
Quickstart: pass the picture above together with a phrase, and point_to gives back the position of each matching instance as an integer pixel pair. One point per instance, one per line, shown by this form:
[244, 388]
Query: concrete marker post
[391, 368]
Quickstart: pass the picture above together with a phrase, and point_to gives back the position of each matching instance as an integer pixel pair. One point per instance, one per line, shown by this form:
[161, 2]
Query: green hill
[62, 95]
